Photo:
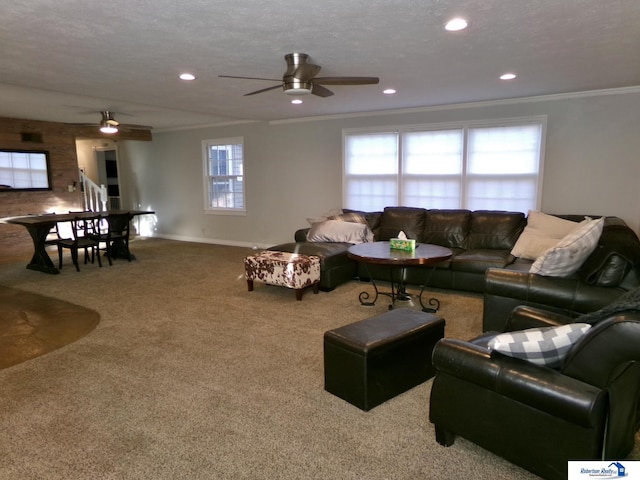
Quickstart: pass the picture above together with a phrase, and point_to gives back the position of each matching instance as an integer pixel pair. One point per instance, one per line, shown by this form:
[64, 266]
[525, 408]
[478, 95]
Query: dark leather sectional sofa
[482, 262]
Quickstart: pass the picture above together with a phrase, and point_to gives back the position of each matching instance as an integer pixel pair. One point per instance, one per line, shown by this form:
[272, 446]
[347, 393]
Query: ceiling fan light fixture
[297, 87]
[108, 128]
[108, 124]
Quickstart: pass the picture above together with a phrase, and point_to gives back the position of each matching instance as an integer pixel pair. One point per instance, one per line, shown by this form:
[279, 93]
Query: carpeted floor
[189, 376]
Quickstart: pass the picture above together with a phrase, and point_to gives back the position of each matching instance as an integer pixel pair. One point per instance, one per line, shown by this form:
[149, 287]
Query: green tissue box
[400, 244]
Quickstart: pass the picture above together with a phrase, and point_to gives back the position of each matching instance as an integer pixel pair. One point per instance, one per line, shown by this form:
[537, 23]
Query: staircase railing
[95, 196]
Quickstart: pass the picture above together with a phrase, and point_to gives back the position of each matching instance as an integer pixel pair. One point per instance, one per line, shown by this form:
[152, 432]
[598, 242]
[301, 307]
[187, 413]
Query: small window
[224, 175]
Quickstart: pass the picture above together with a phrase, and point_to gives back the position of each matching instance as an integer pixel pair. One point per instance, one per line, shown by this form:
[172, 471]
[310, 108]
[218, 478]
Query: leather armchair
[538, 417]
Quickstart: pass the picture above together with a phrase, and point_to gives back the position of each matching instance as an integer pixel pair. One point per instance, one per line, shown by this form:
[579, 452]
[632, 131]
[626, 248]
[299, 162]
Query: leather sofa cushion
[410, 220]
[478, 261]
[448, 228]
[494, 230]
[331, 253]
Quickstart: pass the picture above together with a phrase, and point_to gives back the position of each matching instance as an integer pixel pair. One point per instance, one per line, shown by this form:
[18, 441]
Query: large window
[474, 166]
[24, 170]
[224, 175]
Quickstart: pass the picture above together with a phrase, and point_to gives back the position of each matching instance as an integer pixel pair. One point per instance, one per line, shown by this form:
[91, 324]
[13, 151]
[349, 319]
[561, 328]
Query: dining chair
[81, 229]
[114, 240]
[56, 233]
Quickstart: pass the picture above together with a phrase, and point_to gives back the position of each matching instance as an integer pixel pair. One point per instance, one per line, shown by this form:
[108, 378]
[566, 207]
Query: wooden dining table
[40, 225]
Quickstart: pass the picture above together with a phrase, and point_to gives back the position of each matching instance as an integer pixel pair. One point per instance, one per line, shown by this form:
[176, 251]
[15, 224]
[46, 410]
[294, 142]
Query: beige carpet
[189, 376]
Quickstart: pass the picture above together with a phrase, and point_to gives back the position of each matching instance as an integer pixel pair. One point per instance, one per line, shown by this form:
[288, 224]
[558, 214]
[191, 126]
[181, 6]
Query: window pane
[226, 192]
[514, 193]
[439, 192]
[504, 150]
[432, 153]
[374, 154]
[371, 166]
[371, 194]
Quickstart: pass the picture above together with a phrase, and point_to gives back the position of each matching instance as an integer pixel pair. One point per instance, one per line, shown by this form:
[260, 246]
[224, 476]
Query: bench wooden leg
[250, 285]
[316, 287]
[298, 294]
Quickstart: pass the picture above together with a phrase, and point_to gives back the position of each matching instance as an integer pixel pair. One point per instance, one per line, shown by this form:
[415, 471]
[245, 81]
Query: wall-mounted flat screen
[24, 170]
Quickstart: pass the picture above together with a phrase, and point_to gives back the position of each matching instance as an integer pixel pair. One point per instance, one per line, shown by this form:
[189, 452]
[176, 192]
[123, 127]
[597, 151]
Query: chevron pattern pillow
[543, 346]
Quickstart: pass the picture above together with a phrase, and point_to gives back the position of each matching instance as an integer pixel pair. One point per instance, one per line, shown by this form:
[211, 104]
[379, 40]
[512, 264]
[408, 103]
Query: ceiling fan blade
[306, 72]
[264, 89]
[346, 80]
[252, 78]
[131, 126]
[320, 91]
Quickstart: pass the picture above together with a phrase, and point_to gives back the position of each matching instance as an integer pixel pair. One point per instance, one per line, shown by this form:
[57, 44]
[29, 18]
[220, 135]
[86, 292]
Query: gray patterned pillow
[339, 231]
[565, 258]
[352, 217]
[542, 346]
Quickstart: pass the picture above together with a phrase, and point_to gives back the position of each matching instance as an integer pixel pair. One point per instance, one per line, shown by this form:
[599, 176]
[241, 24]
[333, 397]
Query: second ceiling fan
[300, 78]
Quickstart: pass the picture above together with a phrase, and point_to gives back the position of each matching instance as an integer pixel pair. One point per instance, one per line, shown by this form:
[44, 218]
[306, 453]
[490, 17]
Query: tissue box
[402, 244]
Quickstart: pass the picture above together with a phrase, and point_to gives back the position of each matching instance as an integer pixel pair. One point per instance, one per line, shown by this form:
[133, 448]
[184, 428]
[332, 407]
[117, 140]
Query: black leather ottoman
[368, 362]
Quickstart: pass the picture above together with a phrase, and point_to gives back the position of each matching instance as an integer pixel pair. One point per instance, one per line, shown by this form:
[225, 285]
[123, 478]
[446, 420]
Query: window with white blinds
[480, 166]
[224, 175]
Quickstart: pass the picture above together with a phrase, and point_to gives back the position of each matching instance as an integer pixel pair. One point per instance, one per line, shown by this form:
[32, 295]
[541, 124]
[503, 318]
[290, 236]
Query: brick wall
[59, 140]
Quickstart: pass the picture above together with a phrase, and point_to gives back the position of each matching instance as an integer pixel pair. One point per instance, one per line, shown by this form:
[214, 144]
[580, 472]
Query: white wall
[294, 170]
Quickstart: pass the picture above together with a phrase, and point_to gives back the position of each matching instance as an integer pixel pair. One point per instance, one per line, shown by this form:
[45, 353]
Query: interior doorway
[107, 163]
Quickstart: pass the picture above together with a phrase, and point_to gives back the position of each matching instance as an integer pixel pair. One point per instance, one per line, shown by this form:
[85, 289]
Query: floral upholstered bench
[284, 269]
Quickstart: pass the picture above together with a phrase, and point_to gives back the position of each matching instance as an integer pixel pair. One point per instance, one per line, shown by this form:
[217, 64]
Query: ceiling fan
[108, 124]
[300, 78]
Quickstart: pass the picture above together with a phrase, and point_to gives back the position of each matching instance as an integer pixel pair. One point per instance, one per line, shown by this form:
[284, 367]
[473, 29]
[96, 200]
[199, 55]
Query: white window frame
[207, 176]
[464, 126]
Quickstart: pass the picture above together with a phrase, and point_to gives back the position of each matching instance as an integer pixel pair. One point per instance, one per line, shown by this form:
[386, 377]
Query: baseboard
[214, 241]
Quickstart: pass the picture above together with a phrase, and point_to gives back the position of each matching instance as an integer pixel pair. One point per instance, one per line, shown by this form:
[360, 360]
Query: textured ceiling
[68, 60]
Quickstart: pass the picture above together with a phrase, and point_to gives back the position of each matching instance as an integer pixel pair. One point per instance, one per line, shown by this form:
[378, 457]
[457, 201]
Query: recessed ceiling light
[187, 76]
[456, 24]
[296, 101]
[389, 91]
[508, 76]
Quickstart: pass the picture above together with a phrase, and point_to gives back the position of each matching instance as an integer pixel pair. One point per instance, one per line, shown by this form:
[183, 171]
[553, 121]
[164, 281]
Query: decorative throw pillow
[565, 258]
[324, 216]
[339, 231]
[542, 232]
[353, 217]
[542, 346]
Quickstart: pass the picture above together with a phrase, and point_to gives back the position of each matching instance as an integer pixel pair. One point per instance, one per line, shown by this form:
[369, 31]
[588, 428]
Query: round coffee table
[380, 253]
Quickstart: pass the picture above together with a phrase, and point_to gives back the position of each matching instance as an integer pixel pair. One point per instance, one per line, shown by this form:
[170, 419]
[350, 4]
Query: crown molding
[457, 106]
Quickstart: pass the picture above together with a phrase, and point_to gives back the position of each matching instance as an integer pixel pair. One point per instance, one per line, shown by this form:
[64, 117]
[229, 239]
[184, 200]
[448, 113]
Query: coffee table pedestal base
[398, 292]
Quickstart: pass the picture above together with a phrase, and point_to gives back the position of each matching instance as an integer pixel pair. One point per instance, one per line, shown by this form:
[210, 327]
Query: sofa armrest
[524, 317]
[505, 289]
[301, 234]
[539, 387]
